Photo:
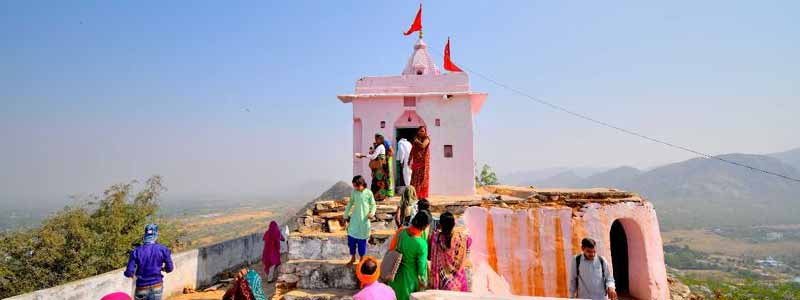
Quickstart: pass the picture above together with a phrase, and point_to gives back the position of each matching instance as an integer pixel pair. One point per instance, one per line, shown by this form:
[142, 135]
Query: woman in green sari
[412, 276]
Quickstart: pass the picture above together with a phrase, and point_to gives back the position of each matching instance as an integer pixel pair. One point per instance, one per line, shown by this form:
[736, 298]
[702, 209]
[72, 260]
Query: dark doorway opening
[402, 133]
[619, 257]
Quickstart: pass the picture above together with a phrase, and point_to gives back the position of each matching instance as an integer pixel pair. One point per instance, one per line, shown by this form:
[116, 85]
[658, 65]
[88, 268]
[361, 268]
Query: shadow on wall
[193, 269]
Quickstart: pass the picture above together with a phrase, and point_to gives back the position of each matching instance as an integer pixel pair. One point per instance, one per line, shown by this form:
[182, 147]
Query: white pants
[406, 174]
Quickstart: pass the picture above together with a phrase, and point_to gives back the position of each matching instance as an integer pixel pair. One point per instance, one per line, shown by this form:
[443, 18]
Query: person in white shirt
[590, 277]
[404, 155]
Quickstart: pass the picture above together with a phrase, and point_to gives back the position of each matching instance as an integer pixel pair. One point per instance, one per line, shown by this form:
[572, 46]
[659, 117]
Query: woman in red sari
[271, 256]
[420, 162]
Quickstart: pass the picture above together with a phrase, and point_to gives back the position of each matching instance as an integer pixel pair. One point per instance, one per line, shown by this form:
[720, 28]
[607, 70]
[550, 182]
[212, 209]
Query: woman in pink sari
[271, 257]
[449, 255]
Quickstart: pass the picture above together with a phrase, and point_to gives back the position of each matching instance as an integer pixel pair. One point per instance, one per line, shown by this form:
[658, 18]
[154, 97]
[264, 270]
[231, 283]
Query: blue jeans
[148, 294]
[354, 243]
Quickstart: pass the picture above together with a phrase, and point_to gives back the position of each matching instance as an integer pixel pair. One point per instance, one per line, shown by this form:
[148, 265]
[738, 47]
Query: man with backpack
[590, 277]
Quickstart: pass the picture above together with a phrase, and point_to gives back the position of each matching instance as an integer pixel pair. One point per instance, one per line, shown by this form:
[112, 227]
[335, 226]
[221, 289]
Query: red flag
[417, 26]
[448, 64]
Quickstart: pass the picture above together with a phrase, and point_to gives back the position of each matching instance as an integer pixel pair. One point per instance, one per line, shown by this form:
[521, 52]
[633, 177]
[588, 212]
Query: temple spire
[420, 62]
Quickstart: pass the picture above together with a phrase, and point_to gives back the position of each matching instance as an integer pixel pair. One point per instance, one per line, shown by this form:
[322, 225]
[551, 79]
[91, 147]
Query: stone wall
[529, 251]
[194, 268]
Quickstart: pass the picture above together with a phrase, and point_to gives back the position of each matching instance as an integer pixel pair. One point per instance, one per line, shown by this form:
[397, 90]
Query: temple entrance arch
[405, 126]
[629, 259]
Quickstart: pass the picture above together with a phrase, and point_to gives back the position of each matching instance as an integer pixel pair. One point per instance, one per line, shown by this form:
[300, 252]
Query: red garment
[420, 166]
[271, 256]
[417, 26]
[448, 64]
[239, 291]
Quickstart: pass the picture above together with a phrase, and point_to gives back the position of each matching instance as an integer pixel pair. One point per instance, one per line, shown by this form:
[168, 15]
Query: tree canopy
[486, 177]
[82, 240]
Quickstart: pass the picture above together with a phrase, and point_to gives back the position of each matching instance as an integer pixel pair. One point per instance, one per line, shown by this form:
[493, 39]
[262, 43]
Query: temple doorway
[619, 258]
[407, 133]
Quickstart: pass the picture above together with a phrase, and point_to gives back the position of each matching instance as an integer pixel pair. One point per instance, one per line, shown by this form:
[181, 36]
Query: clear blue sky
[100, 92]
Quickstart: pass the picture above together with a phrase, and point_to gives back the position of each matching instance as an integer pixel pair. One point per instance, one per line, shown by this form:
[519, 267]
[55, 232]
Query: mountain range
[704, 192]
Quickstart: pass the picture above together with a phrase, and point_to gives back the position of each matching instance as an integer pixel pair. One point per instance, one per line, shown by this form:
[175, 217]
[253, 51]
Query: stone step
[331, 294]
[318, 274]
[326, 246]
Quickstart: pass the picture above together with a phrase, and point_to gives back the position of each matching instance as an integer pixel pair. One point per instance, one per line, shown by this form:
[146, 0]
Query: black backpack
[578, 270]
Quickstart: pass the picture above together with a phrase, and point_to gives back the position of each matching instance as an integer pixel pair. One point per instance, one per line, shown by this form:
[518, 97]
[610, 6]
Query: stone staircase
[316, 268]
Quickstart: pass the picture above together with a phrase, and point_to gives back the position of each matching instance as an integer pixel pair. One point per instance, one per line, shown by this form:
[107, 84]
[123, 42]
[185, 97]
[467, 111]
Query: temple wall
[456, 175]
[449, 176]
[530, 251]
[449, 82]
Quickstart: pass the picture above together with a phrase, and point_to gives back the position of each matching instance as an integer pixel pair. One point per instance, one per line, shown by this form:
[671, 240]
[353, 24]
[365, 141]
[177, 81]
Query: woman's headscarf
[367, 279]
[408, 202]
[150, 233]
[254, 281]
[274, 232]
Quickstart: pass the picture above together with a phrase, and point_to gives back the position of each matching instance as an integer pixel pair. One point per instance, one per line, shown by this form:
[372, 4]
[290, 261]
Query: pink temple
[397, 105]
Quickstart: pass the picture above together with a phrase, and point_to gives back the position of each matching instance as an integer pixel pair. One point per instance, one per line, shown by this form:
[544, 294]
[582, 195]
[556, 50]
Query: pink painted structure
[529, 251]
[421, 95]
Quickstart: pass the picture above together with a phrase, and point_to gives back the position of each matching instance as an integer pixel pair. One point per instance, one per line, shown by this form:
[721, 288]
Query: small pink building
[421, 96]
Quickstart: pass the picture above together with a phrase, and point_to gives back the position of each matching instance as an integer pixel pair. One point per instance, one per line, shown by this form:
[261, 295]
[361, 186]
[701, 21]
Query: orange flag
[417, 26]
[448, 64]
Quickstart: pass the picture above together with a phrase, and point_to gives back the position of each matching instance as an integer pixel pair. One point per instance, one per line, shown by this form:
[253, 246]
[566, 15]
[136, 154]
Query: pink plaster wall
[445, 83]
[531, 250]
[448, 176]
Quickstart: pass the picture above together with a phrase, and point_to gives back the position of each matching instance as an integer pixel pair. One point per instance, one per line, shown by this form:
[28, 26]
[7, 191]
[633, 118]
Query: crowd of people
[430, 253]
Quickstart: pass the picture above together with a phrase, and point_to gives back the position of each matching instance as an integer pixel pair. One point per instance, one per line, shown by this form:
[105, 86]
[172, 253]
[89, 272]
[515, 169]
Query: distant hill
[707, 192]
[568, 178]
[704, 192]
[791, 157]
[339, 190]
[610, 178]
[549, 176]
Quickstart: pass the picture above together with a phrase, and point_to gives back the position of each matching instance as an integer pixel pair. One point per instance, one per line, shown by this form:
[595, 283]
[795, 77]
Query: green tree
[486, 176]
[81, 241]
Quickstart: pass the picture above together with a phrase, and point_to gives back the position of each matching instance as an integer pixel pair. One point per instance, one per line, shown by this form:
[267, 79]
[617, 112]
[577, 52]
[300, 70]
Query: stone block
[338, 215]
[380, 225]
[325, 205]
[328, 246]
[330, 276]
[288, 279]
[320, 295]
[314, 227]
[384, 217]
[388, 209]
[334, 226]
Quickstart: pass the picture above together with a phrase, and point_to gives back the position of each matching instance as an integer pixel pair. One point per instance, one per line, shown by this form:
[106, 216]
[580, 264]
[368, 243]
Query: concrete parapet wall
[193, 268]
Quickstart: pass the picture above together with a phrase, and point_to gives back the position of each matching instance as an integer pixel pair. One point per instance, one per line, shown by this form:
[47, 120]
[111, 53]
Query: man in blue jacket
[146, 262]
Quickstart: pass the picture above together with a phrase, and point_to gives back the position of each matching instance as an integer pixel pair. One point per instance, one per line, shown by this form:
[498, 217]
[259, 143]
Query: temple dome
[420, 62]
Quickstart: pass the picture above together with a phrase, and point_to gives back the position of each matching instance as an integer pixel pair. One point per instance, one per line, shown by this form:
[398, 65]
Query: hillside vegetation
[81, 241]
